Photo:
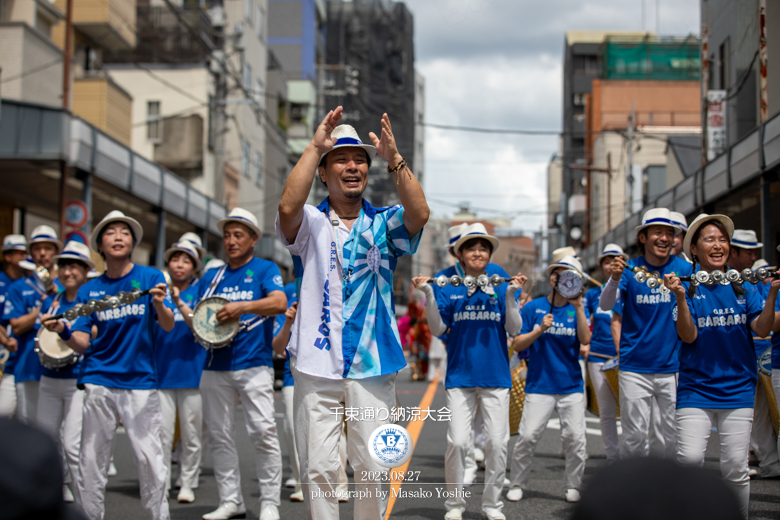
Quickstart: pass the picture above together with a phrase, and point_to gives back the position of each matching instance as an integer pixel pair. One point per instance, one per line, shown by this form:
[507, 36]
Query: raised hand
[547, 322]
[673, 283]
[618, 264]
[52, 325]
[322, 139]
[385, 146]
[291, 312]
[158, 293]
[519, 280]
[420, 280]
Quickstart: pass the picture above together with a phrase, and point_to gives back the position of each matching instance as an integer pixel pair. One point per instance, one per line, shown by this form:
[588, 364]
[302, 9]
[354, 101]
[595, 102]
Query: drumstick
[603, 356]
[593, 280]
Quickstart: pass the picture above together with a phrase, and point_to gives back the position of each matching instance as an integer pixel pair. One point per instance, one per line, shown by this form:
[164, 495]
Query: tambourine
[53, 353]
[207, 330]
[570, 284]
[732, 276]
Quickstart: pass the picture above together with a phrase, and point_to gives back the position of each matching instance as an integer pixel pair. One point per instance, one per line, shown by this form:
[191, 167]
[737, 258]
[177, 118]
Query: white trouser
[440, 365]
[7, 396]
[140, 414]
[636, 400]
[317, 434]
[190, 407]
[656, 443]
[536, 412]
[27, 401]
[255, 386]
[288, 397]
[583, 370]
[607, 411]
[494, 404]
[693, 431]
[60, 409]
[763, 440]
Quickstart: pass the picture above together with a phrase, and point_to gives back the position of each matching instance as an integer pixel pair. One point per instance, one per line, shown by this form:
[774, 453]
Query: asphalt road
[542, 500]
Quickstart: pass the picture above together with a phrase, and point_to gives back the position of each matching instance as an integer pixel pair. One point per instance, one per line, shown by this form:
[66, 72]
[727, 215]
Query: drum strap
[246, 324]
[37, 287]
[54, 302]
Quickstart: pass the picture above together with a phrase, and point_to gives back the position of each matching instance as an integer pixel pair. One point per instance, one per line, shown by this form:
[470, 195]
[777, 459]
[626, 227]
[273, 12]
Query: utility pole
[630, 176]
[66, 105]
[766, 212]
[705, 80]
[589, 210]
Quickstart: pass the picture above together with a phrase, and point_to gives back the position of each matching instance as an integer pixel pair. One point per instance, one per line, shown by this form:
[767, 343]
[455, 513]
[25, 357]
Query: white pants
[437, 359]
[190, 407]
[27, 401]
[693, 431]
[636, 395]
[140, 414]
[656, 443]
[7, 396]
[288, 397]
[317, 435]
[256, 388]
[607, 411]
[536, 412]
[60, 409]
[494, 404]
[763, 440]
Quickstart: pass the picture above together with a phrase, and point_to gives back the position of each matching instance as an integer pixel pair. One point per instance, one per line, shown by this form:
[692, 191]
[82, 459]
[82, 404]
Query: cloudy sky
[499, 64]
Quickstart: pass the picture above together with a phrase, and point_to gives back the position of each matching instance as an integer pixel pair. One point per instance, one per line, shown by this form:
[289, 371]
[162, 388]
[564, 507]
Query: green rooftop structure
[651, 58]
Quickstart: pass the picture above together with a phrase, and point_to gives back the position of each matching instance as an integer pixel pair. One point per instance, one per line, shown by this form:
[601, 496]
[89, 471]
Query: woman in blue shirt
[717, 381]
[477, 367]
[553, 328]
[179, 365]
[604, 338]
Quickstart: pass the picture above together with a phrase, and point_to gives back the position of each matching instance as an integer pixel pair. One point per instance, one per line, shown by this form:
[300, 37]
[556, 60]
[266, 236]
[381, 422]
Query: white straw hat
[657, 217]
[187, 247]
[189, 236]
[699, 222]
[454, 233]
[45, 234]
[241, 216]
[116, 216]
[612, 250]
[759, 263]
[567, 262]
[347, 137]
[14, 243]
[561, 252]
[77, 251]
[214, 263]
[746, 239]
[476, 230]
[680, 222]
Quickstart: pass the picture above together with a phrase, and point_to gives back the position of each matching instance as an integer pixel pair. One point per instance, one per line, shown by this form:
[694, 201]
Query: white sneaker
[469, 477]
[454, 514]
[112, 472]
[572, 495]
[269, 512]
[515, 494]
[479, 456]
[491, 513]
[67, 496]
[186, 496]
[290, 482]
[507, 482]
[227, 511]
[297, 496]
[752, 473]
[343, 495]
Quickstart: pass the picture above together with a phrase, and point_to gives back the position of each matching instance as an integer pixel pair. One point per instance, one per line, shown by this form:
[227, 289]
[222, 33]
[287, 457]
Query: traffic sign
[76, 213]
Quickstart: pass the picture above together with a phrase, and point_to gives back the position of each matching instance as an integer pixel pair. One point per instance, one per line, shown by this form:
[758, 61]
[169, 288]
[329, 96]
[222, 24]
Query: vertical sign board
[716, 123]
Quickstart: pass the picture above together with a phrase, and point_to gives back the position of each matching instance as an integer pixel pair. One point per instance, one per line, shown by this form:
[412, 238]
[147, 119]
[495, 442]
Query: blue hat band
[454, 239]
[615, 253]
[74, 253]
[341, 141]
[44, 237]
[743, 243]
[659, 220]
[244, 219]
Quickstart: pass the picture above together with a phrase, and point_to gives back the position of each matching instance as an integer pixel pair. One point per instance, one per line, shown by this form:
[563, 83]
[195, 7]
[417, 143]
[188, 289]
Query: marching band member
[553, 328]
[179, 366]
[60, 403]
[603, 343]
[345, 346]
[717, 360]
[649, 347]
[776, 353]
[196, 241]
[118, 370]
[22, 312]
[14, 250]
[214, 263]
[477, 367]
[744, 252]
[255, 291]
[681, 223]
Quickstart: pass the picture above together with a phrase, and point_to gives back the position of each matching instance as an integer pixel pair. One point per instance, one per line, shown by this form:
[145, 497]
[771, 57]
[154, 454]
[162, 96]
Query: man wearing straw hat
[14, 250]
[649, 347]
[22, 310]
[345, 345]
[681, 223]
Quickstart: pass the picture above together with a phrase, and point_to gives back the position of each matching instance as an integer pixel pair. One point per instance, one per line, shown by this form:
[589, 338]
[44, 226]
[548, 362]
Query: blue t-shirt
[122, 354]
[477, 353]
[70, 371]
[776, 342]
[553, 360]
[763, 291]
[601, 338]
[252, 281]
[648, 345]
[5, 284]
[24, 296]
[719, 369]
[292, 296]
[179, 358]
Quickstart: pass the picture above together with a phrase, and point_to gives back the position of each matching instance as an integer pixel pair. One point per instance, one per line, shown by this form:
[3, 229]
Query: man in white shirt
[345, 345]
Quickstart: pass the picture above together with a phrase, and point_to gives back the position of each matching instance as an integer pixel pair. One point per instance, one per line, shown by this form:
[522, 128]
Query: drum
[52, 351]
[570, 284]
[765, 378]
[517, 396]
[207, 330]
[610, 370]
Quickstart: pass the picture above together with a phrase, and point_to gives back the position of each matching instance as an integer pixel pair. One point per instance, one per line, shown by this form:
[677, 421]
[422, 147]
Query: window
[579, 100]
[258, 169]
[5, 10]
[723, 64]
[153, 121]
[248, 10]
[247, 77]
[246, 160]
[260, 21]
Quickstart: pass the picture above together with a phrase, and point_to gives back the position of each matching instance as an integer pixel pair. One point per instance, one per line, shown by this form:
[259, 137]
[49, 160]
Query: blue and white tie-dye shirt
[348, 331]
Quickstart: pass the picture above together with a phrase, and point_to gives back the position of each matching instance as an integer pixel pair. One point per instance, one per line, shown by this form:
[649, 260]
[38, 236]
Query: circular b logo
[390, 445]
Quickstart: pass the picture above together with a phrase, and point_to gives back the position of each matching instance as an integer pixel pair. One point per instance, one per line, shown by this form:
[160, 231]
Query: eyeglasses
[712, 240]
